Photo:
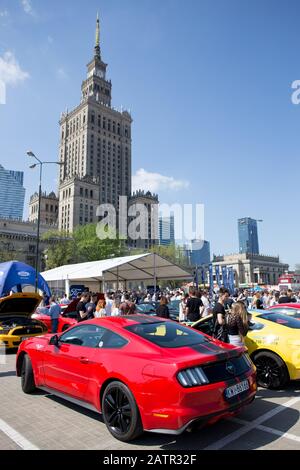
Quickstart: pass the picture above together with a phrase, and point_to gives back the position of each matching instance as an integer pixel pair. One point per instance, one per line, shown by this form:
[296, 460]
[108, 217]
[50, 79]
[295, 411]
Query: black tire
[27, 377]
[120, 412]
[271, 371]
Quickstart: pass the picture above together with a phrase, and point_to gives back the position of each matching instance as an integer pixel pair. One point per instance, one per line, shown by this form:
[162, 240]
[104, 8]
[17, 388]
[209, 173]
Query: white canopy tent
[146, 267]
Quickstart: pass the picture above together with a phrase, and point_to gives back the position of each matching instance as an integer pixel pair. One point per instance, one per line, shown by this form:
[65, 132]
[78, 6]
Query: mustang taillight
[192, 377]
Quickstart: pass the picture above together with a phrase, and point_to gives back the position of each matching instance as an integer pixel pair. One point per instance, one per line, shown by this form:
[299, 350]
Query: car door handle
[84, 360]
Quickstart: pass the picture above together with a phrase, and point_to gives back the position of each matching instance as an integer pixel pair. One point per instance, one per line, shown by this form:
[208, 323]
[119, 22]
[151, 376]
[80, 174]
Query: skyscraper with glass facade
[166, 229]
[248, 237]
[12, 194]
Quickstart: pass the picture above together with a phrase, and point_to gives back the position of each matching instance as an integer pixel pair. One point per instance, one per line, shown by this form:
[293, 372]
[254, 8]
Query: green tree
[80, 246]
[91, 248]
[61, 249]
[171, 252]
[8, 255]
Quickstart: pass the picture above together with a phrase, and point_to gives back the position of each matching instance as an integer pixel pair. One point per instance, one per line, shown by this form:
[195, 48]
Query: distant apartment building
[147, 226]
[12, 194]
[49, 208]
[166, 230]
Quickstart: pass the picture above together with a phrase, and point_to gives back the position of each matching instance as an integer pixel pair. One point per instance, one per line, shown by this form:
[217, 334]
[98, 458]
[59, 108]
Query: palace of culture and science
[95, 146]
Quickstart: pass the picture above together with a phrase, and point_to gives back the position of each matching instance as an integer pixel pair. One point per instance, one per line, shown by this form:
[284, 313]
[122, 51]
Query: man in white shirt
[65, 300]
[206, 304]
[109, 305]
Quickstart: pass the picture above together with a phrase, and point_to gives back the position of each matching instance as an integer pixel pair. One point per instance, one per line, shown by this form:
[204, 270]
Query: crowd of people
[230, 311]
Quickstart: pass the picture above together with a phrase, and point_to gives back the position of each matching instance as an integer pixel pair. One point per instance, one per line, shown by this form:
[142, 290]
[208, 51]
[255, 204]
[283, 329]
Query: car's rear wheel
[120, 412]
[271, 370]
[27, 377]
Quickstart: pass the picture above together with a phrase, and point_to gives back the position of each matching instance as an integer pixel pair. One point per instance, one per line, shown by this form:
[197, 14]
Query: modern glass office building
[166, 229]
[197, 252]
[248, 237]
[12, 194]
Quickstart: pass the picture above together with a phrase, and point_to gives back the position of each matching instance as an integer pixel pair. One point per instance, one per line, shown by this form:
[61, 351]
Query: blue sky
[208, 84]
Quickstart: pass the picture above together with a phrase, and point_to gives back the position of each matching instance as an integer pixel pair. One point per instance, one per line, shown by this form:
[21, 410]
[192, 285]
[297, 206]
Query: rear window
[167, 334]
[282, 319]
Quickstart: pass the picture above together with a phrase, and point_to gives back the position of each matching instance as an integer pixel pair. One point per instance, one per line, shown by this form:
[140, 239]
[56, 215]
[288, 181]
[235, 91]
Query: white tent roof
[127, 268]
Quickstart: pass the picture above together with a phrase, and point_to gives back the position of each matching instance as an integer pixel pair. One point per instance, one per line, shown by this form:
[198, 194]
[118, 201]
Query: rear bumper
[208, 419]
[181, 407]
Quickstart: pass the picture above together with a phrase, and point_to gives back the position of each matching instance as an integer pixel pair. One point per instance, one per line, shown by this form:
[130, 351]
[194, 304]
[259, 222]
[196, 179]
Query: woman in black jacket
[163, 310]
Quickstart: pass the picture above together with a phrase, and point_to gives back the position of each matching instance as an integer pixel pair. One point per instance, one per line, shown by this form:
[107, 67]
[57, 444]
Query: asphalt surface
[41, 421]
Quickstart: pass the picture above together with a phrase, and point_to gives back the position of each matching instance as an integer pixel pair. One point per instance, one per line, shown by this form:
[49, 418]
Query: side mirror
[54, 340]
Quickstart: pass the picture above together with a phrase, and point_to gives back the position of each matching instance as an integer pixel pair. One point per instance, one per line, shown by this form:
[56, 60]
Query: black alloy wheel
[120, 412]
[271, 370]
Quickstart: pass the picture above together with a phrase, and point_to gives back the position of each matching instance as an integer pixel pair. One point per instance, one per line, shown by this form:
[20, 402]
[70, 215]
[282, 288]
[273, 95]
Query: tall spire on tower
[97, 42]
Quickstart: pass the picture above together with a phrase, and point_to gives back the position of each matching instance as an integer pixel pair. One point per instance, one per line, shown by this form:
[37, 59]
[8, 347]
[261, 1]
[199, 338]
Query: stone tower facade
[95, 146]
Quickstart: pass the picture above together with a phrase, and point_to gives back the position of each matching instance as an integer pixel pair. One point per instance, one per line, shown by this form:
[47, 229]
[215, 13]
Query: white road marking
[15, 436]
[236, 434]
[286, 435]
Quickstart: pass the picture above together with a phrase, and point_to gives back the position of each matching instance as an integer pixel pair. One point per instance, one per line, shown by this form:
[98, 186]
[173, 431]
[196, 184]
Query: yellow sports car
[16, 323]
[273, 342]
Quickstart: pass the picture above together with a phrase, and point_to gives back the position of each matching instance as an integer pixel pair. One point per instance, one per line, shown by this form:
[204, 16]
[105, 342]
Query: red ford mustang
[142, 373]
[68, 317]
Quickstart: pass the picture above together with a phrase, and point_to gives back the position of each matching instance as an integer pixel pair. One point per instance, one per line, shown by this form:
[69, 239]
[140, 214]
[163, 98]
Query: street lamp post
[252, 256]
[40, 164]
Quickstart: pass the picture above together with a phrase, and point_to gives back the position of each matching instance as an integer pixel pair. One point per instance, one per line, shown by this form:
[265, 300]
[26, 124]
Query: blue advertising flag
[231, 280]
[203, 276]
[218, 275]
[211, 279]
[196, 277]
[224, 276]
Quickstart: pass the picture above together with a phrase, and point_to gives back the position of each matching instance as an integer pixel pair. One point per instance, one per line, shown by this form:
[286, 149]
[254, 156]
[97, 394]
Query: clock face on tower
[97, 72]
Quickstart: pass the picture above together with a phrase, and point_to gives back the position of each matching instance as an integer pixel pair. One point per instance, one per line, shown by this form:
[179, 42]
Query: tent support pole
[67, 287]
[154, 273]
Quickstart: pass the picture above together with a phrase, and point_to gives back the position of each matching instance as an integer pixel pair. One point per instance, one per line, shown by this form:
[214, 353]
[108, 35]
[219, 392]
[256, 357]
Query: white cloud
[27, 7]
[4, 14]
[50, 40]
[61, 73]
[155, 182]
[10, 70]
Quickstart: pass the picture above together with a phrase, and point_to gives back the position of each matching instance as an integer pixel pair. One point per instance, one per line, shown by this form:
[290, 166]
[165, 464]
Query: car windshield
[167, 334]
[290, 311]
[43, 311]
[281, 319]
[174, 304]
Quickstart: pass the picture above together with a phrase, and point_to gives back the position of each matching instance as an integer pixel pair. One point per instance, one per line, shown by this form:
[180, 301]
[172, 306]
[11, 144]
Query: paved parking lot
[41, 421]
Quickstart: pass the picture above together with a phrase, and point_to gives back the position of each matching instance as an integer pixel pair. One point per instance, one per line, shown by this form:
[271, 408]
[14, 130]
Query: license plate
[237, 389]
